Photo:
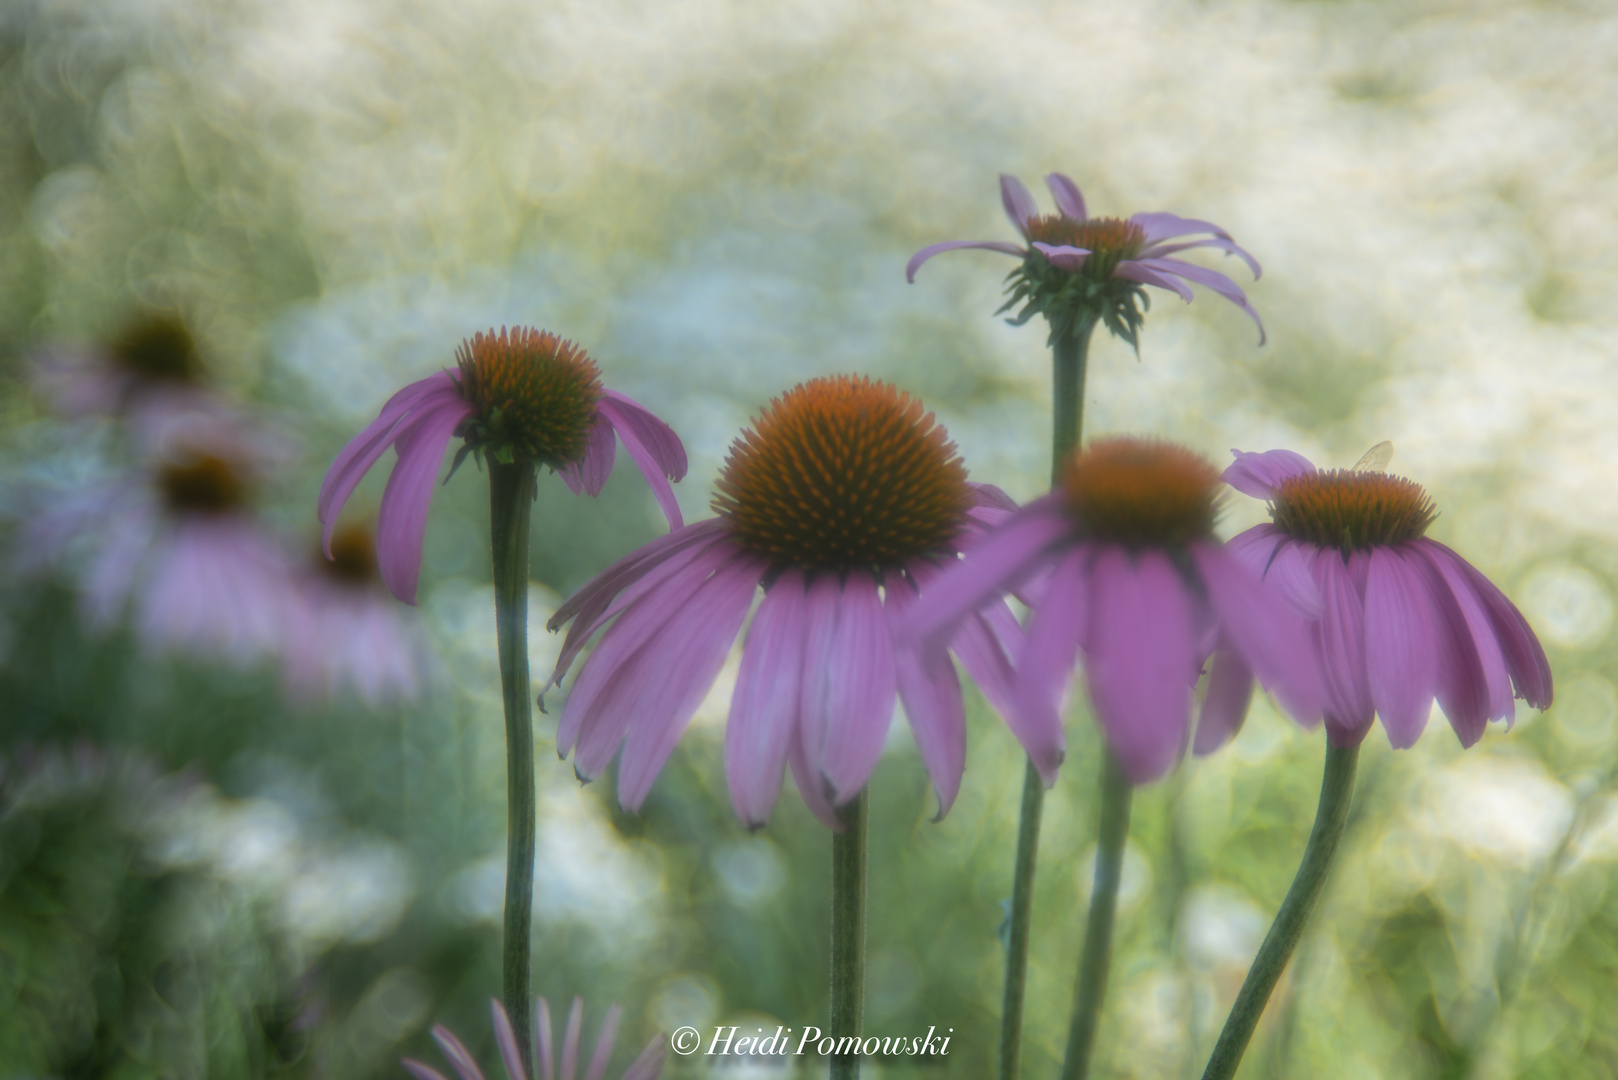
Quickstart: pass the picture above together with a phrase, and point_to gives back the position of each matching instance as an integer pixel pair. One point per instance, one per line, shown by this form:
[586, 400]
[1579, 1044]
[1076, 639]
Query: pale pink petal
[988, 644]
[570, 1040]
[991, 497]
[506, 1040]
[953, 245]
[420, 1071]
[1212, 279]
[589, 476]
[1134, 271]
[1530, 670]
[857, 689]
[609, 1032]
[1069, 199]
[1260, 474]
[401, 525]
[1229, 247]
[1045, 666]
[1063, 256]
[1019, 204]
[1340, 638]
[1401, 665]
[1224, 707]
[1138, 659]
[635, 426]
[460, 1058]
[812, 786]
[1474, 685]
[688, 655]
[650, 1061]
[764, 708]
[932, 704]
[1163, 226]
[821, 608]
[543, 1041]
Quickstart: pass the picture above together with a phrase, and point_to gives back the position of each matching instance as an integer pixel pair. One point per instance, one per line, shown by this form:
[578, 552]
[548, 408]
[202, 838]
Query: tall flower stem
[848, 934]
[1069, 358]
[1091, 987]
[511, 496]
[1336, 794]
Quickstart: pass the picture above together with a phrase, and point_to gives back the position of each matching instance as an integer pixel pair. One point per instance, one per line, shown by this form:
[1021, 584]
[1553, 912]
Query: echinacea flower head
[1078, 269]
[346, 631]
[1401, 620]
[645, 1067]
[520, 395]
[1120, 561]
[842, 503]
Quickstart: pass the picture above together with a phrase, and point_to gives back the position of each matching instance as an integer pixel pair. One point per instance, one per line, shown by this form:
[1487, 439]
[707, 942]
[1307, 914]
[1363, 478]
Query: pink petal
[650, 1061]
[688, 654]
[1134, 271]
[933, 706]
[988, 644]
[1224, 707]
[1019, 204]
[401, 525]
[1465, 685]
[1530, 670]
[1229, 247]
[506, 1040]
[954, 245]
[542, 1040]
[1214, 280]
[589, 476]
[459, 1057]
[1045, 667]
[1063, 256]
[1340, 637]
[812, 786]
[1260, 474]
[1164, 226]
[1477, 636]
[992, 497]
[1273, 640]
[821, 607]
[857, 689]
[1069, 199]
[653, 445]
[1138, 660]
[764, 709]
[420, 1071]
[570, 1040]
[1400, 662]
[609, 1033]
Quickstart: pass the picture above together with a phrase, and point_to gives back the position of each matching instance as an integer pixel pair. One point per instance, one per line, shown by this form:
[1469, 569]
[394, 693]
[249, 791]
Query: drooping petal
[1272, 638]
[589, 476]
[999, 563]
[812, 786]
[653, 445]
[1530, 670]
[991, 497]
[953, 245]
[609, 1034]
[859, 688]
[1255, 548]
[1069, 199]
[933, 706]
[1212, 279]
[988, 644]
[1400, 662]
[1465, 681]
[1160, 226]
[1479, 634]
[401, 524]
[822, 606]
[764, 708]
[1138, 659]
[1063, 256]
[362, 452]
[460, 1059]
[1340, 636]
[1229, 247]
[1134, 271]
[693, 647]
[1258, 474]
[1045, 665]
[419, 1070]
[650, 1062]
[570, 1040]
[1224, 707]
[1019, 204]
[506, 1040]
[542, 1040]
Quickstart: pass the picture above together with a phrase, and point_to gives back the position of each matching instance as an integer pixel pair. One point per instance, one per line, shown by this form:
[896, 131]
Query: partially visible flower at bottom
[645, 1067]
[346, 631]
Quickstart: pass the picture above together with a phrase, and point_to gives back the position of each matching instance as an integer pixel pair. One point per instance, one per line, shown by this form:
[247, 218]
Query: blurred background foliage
[203, 874]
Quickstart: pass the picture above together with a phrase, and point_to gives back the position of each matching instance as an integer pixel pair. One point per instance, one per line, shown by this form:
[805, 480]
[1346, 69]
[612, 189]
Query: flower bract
[645, 1067]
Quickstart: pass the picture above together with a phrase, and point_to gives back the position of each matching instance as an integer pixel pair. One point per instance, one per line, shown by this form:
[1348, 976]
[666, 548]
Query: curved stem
[848, 935]
[1094, 962]
[511, 494]
[1336, 793]
[1069, 358]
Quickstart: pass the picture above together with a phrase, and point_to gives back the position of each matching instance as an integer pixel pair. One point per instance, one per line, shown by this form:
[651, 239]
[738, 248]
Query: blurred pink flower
[1400, 619]
[521, 395]
[645, 1067]
[347, 632]
[1136, 250]
[839, 505]
[1121, 562]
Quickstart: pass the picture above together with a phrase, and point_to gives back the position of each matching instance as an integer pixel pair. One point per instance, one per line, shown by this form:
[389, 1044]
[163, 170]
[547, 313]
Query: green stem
[1336, 793]
[1069, 357]
[511, 495]
[848, 935]
[1091, 987]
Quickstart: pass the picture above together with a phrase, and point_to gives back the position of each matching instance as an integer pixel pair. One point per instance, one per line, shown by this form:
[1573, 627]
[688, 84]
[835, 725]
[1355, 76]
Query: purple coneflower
[841, 504]
[645, 1067]
[521, 395]
[1075, 262]
[1129, 571]
[1402, 619]
[348, 632]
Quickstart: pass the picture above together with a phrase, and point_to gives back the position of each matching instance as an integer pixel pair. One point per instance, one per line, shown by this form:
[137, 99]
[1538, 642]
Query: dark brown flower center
[201, 485]
[353, 557]
[1141, 492]
[844, 472]
[1109, 240]
[1348, 509]
[535, 394]
[159, 348]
